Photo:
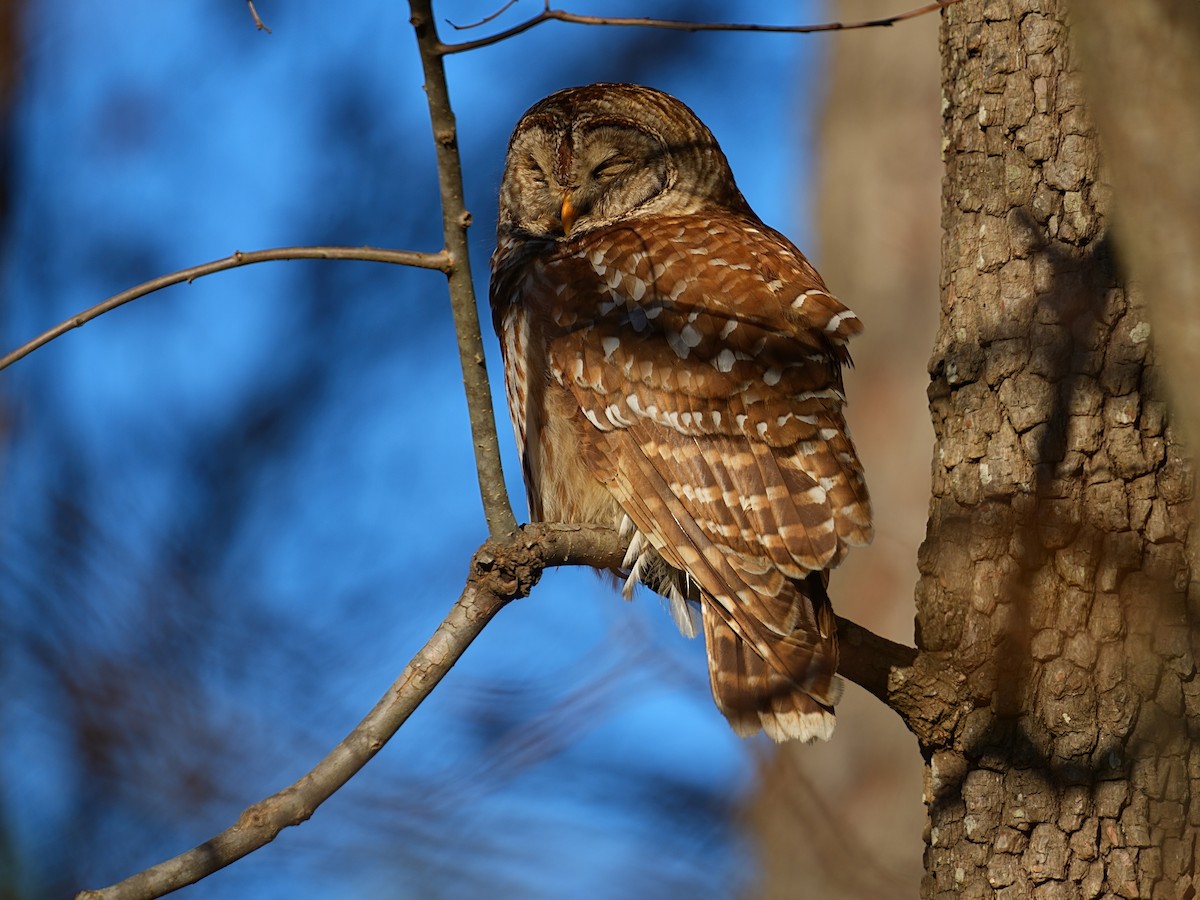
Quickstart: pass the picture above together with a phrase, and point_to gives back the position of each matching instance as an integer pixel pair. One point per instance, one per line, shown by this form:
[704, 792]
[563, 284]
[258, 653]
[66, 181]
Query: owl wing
[705, 357]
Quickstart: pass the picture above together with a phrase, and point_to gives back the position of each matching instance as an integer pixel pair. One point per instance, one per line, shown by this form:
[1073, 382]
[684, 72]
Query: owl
[673, 370]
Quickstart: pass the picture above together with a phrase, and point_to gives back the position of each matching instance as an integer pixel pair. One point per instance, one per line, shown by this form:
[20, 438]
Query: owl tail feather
[753, 696]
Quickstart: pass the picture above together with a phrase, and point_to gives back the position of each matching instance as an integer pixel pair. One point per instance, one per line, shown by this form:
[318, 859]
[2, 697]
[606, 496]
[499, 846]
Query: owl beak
[569, 214]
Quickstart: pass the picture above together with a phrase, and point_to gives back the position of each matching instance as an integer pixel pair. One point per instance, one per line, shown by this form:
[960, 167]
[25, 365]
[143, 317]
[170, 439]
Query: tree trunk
[1141, 66]
[1055, 575]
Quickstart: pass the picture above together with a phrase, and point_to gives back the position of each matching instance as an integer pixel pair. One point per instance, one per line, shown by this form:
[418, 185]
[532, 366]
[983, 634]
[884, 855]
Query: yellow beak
[569, 215]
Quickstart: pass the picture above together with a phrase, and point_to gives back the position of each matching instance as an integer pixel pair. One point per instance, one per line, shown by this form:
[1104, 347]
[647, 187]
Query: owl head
[587, 157]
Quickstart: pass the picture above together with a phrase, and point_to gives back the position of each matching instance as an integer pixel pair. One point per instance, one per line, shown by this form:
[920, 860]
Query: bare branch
[439, 261]
[497, 14]
[559, 15]
[455, 219]
[868, 659]
[259, 23]
[500, 572]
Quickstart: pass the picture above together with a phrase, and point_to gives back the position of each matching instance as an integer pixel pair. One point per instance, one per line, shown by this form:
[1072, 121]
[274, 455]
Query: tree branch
[488, 18]
[501, 571]
[558, 15]
[512, 561]
[869, 660]
[238, 258]
[258, 22]
[455, 219]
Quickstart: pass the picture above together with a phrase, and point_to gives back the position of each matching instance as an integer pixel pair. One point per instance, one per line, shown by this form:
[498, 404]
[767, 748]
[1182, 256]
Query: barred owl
[673, 370]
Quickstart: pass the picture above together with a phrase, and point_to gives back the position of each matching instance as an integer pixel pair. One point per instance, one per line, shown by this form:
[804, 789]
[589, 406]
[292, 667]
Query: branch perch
[500, 572]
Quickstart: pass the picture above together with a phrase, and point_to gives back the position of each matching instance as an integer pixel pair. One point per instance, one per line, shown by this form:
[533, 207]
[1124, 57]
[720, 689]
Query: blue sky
[267, 474]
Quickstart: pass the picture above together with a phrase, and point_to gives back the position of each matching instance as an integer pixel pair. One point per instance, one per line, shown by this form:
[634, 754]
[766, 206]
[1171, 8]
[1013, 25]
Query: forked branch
[258, 22]
[501, 571]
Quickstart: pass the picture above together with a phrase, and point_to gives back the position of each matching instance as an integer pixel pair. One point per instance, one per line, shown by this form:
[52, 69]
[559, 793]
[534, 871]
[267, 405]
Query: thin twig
[500, 573]
[439, 261]
[497, 14]
[259, 23]
[558, 15]
[455, 219]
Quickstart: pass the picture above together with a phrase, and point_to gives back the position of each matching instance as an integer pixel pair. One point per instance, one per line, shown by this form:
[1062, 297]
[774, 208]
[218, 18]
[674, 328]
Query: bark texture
[1141, 66]
[1055, 573]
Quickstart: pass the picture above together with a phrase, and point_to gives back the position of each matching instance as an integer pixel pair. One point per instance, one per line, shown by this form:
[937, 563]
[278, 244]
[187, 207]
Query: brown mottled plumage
[673, 369]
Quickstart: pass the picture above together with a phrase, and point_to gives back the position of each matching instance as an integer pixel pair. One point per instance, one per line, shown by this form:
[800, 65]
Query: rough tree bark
[1141, 66]
[1055, 573]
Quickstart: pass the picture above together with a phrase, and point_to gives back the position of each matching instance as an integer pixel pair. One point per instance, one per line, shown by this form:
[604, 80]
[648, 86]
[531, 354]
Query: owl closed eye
[673, 370]
[583, 177]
